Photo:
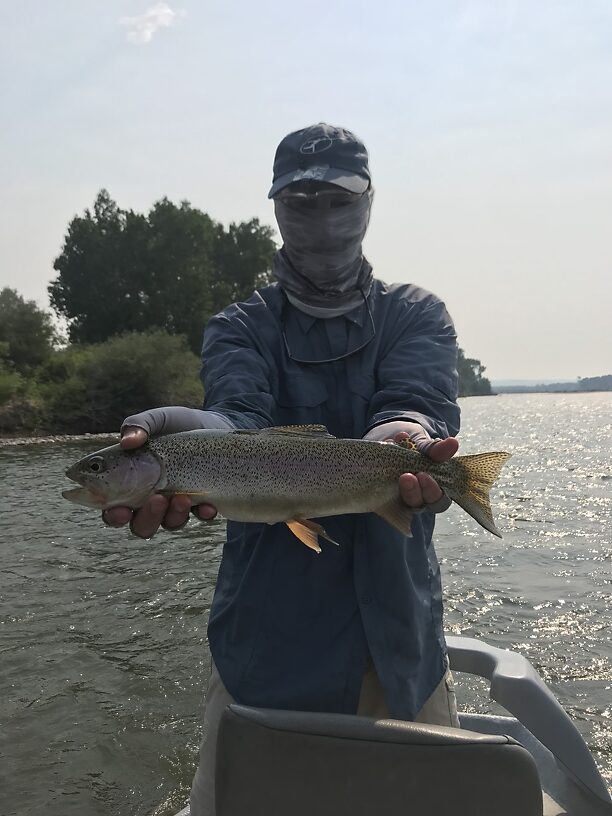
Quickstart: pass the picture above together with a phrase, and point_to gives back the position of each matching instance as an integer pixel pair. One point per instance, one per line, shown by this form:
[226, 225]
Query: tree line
[134, 292]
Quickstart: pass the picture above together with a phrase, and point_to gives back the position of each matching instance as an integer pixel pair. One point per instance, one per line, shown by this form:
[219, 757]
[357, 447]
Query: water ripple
[104, 635]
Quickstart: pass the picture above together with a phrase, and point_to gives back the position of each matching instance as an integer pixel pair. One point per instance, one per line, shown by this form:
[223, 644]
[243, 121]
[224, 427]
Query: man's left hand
[420, 491]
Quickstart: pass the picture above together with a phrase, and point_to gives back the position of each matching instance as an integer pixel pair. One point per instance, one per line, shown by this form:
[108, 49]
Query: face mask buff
[320, 265]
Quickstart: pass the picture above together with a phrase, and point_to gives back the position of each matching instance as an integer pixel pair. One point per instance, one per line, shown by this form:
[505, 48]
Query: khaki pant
[440, 709]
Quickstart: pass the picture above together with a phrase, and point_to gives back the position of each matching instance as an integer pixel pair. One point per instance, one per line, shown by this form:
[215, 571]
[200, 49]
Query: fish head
[114, 477]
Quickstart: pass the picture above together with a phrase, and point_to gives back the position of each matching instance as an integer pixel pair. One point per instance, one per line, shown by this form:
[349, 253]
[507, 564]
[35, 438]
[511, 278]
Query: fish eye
[96, 464]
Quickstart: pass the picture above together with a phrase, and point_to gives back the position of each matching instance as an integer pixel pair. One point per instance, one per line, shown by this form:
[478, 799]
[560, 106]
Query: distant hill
[603, 383]
[505, 383]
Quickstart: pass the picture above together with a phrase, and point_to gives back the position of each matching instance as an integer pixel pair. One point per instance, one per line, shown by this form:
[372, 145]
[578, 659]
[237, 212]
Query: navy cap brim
[332, 175]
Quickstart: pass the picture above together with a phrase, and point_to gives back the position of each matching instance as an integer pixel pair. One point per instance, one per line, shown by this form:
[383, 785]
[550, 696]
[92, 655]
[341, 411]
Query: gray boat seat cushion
[288, 763]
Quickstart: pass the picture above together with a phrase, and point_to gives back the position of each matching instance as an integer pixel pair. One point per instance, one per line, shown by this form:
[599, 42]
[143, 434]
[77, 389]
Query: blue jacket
[289, 628]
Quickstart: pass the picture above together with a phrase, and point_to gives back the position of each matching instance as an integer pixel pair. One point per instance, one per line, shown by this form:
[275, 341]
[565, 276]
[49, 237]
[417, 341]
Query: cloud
[143, 27]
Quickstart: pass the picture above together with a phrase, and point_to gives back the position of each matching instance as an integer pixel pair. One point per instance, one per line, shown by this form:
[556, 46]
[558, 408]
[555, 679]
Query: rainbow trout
[290, 474]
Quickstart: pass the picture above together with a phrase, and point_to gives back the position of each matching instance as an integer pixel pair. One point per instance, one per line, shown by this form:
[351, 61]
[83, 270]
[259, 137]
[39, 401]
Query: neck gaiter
[320, 265]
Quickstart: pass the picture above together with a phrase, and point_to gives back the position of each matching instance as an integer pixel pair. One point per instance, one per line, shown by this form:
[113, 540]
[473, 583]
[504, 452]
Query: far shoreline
[6, 441]
[48, 438]
[556, 391]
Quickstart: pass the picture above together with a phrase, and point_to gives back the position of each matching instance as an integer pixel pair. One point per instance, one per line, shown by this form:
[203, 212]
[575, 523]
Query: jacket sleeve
[417, 374]
[235, 375]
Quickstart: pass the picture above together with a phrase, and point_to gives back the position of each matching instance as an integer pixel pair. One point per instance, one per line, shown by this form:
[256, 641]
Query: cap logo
[312, 173]
[317, 145]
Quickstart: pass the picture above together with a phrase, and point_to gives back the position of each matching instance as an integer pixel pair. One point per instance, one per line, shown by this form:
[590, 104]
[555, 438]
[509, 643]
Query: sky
[488, 123]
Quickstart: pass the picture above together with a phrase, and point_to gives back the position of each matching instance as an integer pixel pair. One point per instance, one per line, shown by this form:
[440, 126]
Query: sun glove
[174, 419]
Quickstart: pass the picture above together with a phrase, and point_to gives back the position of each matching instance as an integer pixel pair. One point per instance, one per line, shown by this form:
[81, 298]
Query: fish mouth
[130, 486]
[85, 496]
[72, 473]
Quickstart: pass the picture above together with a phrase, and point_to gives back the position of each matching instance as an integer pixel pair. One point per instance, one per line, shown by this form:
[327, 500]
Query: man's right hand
[158, 511]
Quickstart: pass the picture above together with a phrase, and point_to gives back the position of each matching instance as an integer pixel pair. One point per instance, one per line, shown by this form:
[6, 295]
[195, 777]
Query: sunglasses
[317, 199]
[310, 361]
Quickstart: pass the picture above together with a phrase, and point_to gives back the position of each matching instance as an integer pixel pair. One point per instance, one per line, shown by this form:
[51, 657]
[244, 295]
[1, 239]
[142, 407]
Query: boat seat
[290, 763]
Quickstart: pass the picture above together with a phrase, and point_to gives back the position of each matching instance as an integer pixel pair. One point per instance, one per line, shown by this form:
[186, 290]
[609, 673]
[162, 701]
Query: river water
[103, 636]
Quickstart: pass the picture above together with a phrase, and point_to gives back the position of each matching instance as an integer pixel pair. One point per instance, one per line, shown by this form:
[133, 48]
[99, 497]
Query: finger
[133, 437]
[437, 449]
[443, 449]
[177, 514]
[204, 512]
[410, 490]
[419, 437]
[430, 490]
[117, 516]
[147, 520]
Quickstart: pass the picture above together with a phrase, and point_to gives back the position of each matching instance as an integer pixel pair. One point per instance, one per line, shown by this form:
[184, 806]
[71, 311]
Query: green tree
[93, 388]
[242, 261]
[101, 288]
[26, 332]
[10, 380]
[471, 379]
[178, 268]
[171, 269]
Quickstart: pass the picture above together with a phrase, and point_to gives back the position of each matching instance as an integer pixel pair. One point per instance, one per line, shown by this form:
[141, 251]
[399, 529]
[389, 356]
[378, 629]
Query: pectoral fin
[397, 514]
[308, 532]
[198, 497]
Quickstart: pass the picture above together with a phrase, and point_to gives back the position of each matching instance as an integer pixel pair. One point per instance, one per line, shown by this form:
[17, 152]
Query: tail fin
[471, 491]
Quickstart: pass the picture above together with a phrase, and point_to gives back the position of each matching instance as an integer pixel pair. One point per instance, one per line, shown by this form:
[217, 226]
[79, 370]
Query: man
[359, 627]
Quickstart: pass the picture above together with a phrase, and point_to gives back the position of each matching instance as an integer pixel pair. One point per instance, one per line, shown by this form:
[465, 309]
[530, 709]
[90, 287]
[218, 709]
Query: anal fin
[397, 514]
[308, 532]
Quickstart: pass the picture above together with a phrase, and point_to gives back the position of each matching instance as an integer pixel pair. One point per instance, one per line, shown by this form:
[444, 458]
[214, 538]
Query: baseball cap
[321, 152]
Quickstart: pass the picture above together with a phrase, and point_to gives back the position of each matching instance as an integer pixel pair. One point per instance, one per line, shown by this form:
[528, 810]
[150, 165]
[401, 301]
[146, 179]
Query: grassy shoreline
[6, 441]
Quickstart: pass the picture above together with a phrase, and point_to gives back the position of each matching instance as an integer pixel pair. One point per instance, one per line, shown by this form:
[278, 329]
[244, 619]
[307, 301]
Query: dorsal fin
[293, 430]
[317, 430]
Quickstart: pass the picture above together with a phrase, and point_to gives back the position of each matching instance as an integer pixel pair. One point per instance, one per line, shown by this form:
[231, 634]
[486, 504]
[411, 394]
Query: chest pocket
[362, 385]
[362, 388]
[301, 399]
